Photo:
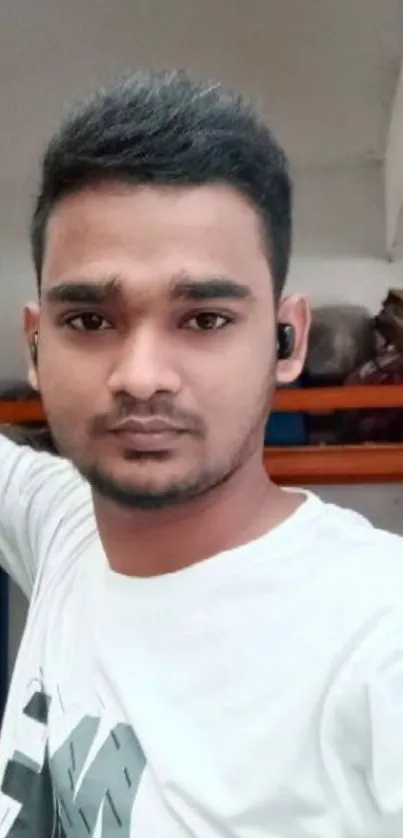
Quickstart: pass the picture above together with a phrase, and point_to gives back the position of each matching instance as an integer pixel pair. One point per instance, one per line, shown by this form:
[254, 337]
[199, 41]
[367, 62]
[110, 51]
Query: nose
[144, 368]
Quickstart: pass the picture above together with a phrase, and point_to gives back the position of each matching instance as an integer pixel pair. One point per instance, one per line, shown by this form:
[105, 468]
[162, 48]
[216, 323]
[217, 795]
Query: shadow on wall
[4, 620]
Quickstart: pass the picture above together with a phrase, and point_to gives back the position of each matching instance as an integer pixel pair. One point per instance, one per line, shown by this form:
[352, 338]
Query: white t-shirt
[258, 694]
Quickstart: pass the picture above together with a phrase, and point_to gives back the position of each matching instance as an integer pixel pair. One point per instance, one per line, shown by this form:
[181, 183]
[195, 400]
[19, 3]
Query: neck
[152, 543]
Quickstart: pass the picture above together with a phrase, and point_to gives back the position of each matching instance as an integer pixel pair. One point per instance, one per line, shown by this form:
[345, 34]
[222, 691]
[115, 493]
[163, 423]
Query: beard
[150, 495]
[153, 498]
[175, 490]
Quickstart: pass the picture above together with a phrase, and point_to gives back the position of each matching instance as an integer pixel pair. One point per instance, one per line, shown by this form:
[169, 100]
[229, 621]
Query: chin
[145, 487]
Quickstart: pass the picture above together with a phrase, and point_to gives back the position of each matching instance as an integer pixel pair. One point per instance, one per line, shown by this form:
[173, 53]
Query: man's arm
[35, 489]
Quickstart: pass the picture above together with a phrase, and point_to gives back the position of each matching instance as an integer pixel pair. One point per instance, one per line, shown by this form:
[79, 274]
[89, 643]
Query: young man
[205, 654]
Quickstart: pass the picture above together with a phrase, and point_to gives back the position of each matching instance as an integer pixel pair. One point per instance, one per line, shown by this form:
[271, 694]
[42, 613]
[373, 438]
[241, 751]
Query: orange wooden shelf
[21, 412]
[327, 399]
[306, 464]
[315, 400]
[335, 464]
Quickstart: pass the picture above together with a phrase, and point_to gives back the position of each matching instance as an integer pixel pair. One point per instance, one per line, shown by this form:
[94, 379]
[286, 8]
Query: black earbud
[285, 341]
[34, 348]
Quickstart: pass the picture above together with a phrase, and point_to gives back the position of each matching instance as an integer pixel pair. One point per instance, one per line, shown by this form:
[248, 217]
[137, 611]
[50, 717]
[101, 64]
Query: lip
[151, 435]
[142, 427]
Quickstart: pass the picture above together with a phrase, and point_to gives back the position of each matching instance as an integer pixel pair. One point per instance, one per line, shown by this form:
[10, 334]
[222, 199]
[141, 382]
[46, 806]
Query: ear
[295, 311]
[31, 332]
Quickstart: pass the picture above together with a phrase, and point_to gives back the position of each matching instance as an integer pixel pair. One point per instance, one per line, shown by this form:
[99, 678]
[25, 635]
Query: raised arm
[36, 489]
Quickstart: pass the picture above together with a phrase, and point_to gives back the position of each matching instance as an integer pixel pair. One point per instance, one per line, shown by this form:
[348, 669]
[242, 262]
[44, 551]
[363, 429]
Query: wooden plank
[21, 412]
[327, 399]
[335, 464]
[317, 400]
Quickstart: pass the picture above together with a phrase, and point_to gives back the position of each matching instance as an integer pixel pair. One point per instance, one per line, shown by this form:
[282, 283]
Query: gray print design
[59, 801]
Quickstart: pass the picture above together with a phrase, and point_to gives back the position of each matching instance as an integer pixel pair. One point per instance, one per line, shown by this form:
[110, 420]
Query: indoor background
[326, 73]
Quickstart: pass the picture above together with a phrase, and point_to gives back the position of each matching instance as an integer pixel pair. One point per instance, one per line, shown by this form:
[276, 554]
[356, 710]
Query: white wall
[16, 275]
[339, 242]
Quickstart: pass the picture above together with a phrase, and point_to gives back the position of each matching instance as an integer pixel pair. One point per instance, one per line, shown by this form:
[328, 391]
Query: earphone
[285, 341]
[34, 348]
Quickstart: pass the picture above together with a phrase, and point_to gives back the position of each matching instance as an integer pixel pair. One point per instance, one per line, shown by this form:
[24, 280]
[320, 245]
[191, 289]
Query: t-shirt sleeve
[35, 488]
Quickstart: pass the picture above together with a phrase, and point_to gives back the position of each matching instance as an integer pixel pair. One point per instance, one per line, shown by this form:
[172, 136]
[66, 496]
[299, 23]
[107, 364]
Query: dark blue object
[3, 641]
[286, 428]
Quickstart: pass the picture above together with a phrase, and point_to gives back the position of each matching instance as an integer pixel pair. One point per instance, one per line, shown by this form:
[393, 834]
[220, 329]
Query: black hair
[163, 128]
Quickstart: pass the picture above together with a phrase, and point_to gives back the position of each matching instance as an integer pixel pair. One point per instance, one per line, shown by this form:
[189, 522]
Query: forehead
[149, 234]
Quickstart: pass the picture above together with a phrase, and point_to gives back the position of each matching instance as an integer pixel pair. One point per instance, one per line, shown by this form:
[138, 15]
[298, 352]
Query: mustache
[144, 411]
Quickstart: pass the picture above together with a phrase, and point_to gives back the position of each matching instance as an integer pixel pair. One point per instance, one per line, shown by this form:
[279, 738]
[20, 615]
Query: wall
[339, 241]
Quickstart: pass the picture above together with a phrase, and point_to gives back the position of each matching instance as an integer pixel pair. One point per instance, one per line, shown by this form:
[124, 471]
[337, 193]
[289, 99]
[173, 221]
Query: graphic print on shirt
[65, 795]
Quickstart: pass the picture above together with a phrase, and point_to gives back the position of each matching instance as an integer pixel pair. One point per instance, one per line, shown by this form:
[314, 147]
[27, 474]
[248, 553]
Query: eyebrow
[214, 288]
[84, 291]
[183, 288]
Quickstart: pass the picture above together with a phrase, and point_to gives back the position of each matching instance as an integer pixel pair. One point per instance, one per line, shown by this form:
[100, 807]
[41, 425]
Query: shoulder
[44, 503]
[41, 495]
[28, 472]
[364, 561]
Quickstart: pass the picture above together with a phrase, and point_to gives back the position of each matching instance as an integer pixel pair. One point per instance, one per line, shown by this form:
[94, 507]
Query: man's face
[156, 338]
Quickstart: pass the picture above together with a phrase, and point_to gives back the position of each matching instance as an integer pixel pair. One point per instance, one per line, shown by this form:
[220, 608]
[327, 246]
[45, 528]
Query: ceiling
[324, 70]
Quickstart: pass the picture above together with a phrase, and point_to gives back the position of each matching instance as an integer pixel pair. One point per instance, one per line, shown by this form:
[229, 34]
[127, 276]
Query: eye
[88, 322]
[207, 321]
